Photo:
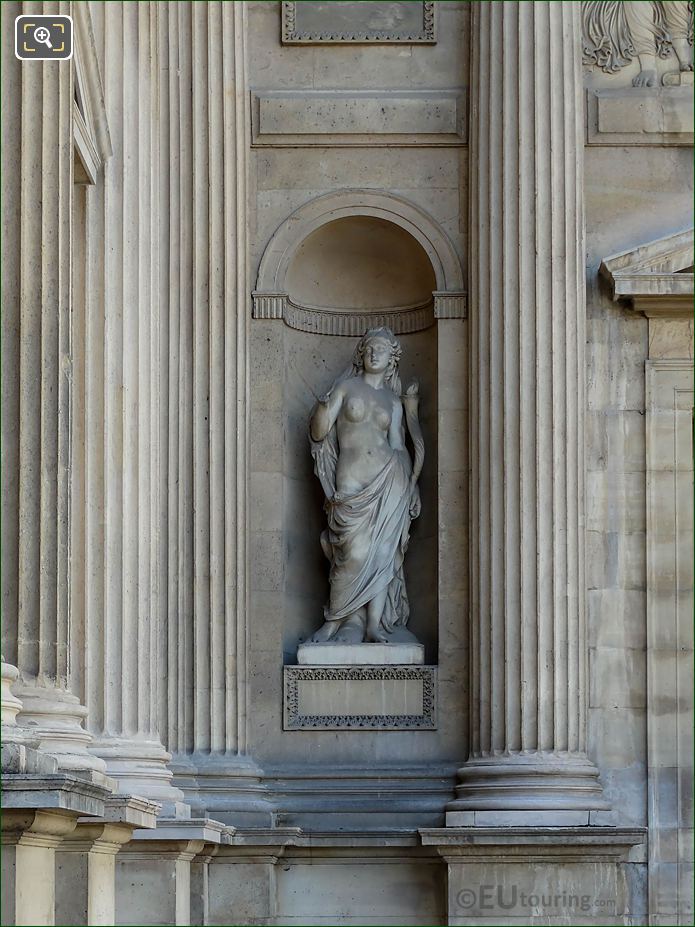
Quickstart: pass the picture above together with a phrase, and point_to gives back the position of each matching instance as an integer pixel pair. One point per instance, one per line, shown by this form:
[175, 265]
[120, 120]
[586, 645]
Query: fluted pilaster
[120, 418]
[205, 279]
[208, 329]
[37, 399]
[528, 647]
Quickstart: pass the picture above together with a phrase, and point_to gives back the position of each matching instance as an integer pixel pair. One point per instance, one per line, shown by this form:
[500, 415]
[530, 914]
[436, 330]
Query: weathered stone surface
[197, 220]
[359, 654]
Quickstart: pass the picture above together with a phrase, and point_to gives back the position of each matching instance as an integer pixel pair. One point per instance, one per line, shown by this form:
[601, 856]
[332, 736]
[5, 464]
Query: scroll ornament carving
[614, 33]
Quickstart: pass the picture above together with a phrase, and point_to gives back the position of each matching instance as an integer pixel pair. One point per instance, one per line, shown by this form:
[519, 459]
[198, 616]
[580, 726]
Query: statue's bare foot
[377, 636]
[646, 78]
[351, 630]
[325, 632]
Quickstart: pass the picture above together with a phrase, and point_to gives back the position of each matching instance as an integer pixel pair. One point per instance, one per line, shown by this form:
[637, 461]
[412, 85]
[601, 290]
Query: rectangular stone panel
[368, 22]
[359, 698]
[640, 116]
[335, 118]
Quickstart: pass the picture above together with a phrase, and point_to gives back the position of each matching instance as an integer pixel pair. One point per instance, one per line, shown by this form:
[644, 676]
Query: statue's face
[377, 354]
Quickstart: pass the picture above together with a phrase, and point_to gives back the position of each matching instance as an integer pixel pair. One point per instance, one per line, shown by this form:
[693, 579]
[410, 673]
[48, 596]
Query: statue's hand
[415, 504]
[412, 389]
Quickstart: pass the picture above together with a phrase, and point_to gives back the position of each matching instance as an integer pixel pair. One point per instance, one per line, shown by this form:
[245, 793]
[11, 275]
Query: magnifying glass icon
[43, 35]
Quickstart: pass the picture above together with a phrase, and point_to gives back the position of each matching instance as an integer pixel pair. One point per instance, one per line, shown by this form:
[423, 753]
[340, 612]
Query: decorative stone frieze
[349, 323]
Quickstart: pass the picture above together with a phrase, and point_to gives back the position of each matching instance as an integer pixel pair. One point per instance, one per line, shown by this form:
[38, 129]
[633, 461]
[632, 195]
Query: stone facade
[202, 209]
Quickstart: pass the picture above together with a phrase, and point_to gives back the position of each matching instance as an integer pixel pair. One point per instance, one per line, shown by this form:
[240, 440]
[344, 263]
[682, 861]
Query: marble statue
[616, 32]
[357, 433]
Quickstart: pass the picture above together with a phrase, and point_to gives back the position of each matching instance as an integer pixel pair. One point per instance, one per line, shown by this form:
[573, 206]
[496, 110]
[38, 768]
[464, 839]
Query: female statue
[358, 444]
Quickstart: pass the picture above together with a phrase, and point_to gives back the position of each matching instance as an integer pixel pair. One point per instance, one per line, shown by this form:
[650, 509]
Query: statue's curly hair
[391, 377]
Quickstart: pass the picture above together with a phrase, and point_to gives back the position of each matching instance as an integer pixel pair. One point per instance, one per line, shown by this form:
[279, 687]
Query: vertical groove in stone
[121, 401]
[42, 443]
[63, 219]
[207, 379]
[476, 706]
[113, 371]
[157, 378]
[125, 417]
[78, 520]
[93, 595]
[172, 313]
[511, 300]
[31, 575]
[185, 353]
[160, 357]
[96, 622]
[216, 360]
[495, 388]
[485, 676]
[132, 517]
[11, 81]
[201, 368]
[527, 336]
[581, 656]
[528, 644]
[242, 315]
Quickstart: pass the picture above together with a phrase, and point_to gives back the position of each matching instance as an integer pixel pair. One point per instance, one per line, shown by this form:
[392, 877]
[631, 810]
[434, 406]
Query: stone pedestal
[153, 872]
[86, 861]
[40, 808]
[360, 654]
[29, 841]
[541, 875]
[242, 877]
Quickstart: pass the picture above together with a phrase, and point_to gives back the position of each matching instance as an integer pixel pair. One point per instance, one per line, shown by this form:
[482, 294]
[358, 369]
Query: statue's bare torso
[366, 434]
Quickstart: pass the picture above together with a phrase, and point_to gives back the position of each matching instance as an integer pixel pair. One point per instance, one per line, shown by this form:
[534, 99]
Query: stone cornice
[655, 277]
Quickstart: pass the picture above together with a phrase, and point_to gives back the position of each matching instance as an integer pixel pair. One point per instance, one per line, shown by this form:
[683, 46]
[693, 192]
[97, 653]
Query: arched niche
[378, 229]
[360, 262]
[341, 264]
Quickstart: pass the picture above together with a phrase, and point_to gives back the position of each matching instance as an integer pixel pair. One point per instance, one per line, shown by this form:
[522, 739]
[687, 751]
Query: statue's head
[379, 351]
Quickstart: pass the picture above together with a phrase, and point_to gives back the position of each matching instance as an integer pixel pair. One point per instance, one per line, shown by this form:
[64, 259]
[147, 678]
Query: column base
[53, 718]
[9, 703]
[141, 768]
[528, 789]
[226, 787]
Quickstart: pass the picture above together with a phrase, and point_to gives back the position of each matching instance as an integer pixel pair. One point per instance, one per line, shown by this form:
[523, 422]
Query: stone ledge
[53, 792]
[175, 829]
[330, 654]
[535, 842]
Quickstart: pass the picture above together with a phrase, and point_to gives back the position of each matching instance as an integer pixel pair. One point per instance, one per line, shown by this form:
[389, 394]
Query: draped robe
[367, 535]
